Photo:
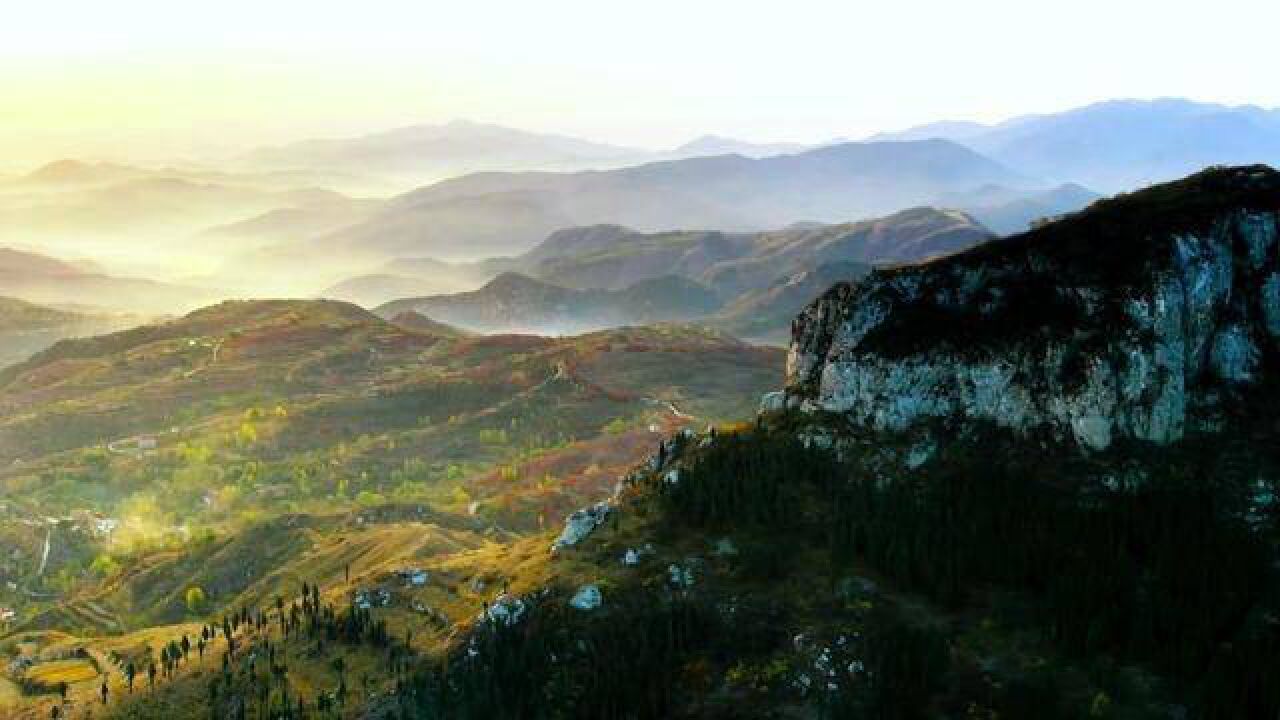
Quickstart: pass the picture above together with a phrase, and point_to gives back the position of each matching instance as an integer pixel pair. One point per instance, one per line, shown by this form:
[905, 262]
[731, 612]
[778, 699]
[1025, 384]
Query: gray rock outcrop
[1141, 317]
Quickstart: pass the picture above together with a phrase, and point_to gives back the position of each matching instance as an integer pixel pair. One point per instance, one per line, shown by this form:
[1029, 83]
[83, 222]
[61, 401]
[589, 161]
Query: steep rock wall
[1144, 317]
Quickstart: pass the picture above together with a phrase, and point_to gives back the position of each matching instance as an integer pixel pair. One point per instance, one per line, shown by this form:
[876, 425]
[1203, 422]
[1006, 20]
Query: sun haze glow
[145, 79]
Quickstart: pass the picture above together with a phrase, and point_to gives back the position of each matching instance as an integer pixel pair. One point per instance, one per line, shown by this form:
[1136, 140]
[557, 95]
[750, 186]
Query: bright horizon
[151, 82]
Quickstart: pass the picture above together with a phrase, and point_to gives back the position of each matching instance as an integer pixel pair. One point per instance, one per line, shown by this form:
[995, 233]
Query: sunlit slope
[214, 450]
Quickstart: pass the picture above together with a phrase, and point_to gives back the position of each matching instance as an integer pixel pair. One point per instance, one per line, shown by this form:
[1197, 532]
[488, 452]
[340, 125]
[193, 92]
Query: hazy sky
[146, 79]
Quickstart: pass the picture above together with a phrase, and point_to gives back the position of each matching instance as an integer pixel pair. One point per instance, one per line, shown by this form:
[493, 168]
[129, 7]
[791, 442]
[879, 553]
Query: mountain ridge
[513, 302]
[729, 193]
[764, 273]
[1188, 301]
[1121, 145]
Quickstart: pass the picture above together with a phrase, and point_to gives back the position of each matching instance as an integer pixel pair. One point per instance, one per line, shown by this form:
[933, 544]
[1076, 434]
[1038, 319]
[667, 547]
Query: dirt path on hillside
[671, 407]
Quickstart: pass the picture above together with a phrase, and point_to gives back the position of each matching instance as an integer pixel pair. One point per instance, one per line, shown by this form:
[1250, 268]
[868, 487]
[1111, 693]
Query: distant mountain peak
[27, 264]
[721, 145]
[74, 171]
[432, 151]
[58, 168]
[946, 129]
[513, 281]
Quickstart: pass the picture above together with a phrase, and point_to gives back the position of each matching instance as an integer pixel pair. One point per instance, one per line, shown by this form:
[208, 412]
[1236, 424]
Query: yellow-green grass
[49, 675]
[10, 693]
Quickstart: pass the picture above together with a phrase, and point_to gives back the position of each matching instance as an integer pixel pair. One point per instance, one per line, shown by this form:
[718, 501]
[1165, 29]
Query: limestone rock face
[1141, 317]
[506, 610]
[580, 524]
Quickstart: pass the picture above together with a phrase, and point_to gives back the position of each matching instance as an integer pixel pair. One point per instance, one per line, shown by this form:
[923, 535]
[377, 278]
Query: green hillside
[254, 444]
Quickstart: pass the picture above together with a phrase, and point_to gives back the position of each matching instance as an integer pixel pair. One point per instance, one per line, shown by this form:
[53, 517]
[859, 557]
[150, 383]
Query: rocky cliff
[1148, 316]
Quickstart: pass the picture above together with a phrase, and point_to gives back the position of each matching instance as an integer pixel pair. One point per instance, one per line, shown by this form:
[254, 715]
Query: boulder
[506, 610]
[580, 524]
[588, 597]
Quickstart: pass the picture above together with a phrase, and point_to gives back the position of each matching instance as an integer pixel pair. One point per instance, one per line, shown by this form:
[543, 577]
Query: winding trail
[671, 407]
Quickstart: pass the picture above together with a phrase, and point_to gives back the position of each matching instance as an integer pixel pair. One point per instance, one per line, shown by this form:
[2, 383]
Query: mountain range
[1121, 145]
[260, 222]
[1007, 175]
[422, 153]
[129, 217]
[26, 328]
[44, 280]
[597, 276]
[517, 303]
[506, 213]
[720, 145]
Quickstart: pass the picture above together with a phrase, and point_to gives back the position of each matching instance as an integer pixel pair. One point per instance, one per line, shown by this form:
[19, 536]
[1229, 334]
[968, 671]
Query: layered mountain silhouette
[73, 172]
[720, 145]
[45, 280]
[513, 302]
[506, 213]
[428, 152]
[613, 257]
[748, 283]
[26, 328]
[1120, 145]
[133, 216]
[1007, 212]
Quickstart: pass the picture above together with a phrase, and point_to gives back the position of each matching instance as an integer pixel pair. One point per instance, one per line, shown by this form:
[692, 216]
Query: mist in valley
[407, 361]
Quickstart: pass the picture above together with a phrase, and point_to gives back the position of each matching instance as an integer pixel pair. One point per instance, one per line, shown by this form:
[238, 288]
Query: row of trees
[256, 646]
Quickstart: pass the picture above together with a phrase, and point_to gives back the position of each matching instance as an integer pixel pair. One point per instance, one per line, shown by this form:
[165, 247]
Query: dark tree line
[556, 663]
[1172, 574]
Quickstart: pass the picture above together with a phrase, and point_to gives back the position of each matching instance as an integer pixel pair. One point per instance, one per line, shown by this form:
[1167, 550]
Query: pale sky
[154, 79]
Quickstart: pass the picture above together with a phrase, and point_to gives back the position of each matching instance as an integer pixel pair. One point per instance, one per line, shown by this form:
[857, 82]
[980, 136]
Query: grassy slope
[519, 429]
